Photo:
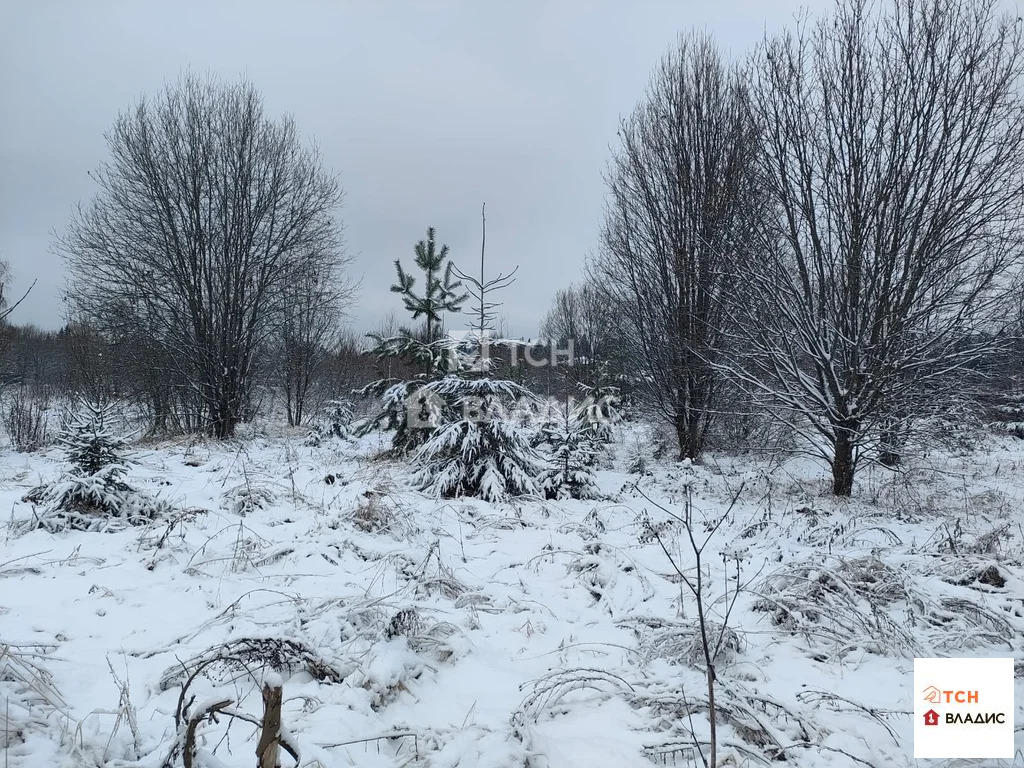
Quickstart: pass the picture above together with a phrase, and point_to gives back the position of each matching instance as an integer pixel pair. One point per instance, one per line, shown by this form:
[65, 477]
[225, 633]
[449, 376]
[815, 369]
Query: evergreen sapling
[440, 293]
[407, 411]
[479, 453]
[569, 474]
[93, 495]
[90, 445]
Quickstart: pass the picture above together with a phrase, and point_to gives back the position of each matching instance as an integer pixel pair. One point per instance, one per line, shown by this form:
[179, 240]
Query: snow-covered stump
[268, 752]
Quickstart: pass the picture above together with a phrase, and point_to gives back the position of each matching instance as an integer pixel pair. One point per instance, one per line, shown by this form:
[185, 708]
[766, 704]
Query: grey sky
[425, 108]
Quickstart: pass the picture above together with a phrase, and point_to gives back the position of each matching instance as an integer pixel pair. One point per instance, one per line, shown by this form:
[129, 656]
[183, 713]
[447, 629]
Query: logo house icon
[932, 695]
[423, 409]
[931, 717]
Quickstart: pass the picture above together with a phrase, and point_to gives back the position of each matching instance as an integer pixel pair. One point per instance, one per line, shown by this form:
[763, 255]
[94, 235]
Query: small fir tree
[569, 474]
[598, 413]
[89, 443]
[478, 452]
[335, 422]
[93, 496]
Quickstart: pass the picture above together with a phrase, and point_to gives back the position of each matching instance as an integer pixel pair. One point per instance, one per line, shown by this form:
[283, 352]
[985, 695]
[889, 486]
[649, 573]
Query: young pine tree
[410, 414]
[440, 292]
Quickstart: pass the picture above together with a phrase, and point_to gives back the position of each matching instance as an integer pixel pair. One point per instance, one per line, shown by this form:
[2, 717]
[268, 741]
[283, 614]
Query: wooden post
[268, 753]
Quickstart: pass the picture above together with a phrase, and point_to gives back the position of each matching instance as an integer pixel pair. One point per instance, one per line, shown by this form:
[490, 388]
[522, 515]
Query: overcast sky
[426, 109]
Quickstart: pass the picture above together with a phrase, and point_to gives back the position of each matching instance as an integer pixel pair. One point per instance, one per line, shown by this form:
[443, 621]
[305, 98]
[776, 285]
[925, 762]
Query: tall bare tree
[485, 312]
[312, 308]
[204, 210]
[893, 157]
[681, 202]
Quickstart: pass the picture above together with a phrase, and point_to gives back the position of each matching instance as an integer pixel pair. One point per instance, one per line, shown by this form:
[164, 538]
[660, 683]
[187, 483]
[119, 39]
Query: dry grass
[27, 688]
[866, 603]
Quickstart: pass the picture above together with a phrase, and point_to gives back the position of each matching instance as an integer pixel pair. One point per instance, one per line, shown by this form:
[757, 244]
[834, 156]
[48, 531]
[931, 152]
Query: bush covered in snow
[598, 412]
[405, 410]
[93, 494]
[478, 452]
[335, 421]
[29, 695]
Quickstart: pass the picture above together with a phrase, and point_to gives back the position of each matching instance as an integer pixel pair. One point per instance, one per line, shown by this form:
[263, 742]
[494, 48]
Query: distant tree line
[46, 368]
[820, 243]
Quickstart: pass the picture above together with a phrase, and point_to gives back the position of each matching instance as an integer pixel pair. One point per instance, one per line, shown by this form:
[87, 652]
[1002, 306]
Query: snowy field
[414, 631]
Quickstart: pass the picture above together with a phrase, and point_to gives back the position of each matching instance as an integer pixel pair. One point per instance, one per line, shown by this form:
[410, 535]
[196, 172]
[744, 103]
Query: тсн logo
[935, 696]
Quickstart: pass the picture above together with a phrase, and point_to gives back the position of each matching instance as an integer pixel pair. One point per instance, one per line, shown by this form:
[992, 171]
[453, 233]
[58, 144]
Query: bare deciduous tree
[681, 201]
[892, 155]
[205, 208]
[7, 376]
[580, 315]
[312, 308]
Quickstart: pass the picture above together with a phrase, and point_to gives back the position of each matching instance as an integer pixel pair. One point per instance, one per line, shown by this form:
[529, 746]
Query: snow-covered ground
[541, 634]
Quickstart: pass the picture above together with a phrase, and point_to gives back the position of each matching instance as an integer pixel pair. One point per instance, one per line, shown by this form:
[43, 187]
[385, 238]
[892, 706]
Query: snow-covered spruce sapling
[569, 474]
[636, 460]
[478, 452]
[335, 421]
[406, 410]
[710, 642]
[94, 485]
[598, 412]
[93, 492]
[89, 442]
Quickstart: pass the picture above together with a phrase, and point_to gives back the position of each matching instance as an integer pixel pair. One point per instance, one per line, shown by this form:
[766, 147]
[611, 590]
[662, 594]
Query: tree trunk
[682, 434]
[712, 715]
[689, 433]
[224, 417]
[842, 463]
[289, 398]
[268, 748]
[160, 406]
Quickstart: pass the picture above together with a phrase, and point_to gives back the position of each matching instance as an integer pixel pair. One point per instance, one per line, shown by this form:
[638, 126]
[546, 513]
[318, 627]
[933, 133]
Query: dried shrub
[247, 655]
[866, 603]
[28, 691]
[680, 642]
[246, 498]
[373, 513]
[26, 421]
